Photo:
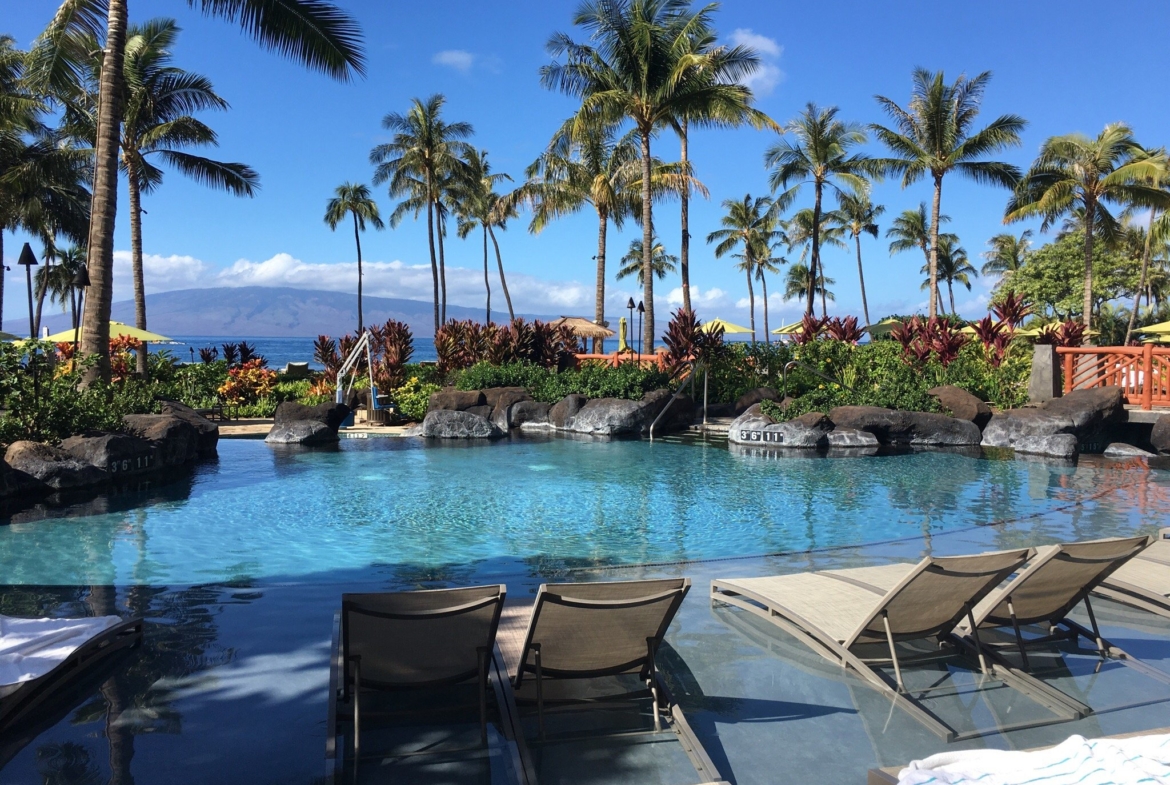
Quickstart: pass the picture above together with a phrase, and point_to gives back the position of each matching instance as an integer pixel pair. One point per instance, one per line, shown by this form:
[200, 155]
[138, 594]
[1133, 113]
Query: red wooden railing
[1142, 372]
[617, 358]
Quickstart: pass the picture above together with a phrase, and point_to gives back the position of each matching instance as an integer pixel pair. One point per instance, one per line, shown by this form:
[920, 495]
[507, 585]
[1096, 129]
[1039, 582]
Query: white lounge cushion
[30, 648]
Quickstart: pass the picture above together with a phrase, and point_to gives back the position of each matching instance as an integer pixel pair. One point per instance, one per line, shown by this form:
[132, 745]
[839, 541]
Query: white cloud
[700, 298]
[765, 78]
[459, 59]
[160, 273]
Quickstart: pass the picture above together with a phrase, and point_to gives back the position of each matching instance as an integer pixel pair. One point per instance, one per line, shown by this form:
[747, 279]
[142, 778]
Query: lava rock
[115, 453]
[450, 424]
[851, 439]
[328, 414]
[1160, 435]
[450, 399]
[962, 404]
[1088, 409]
[562, 412]
[607, 417]
[1123, 450]
[1061, 445]
[306, 432]
[45, 466]
[175, 441]
[679, 415]
[915, 429]
[528, 414]
[496, 397]
[208, 431]
[752, 397]
[807, 431]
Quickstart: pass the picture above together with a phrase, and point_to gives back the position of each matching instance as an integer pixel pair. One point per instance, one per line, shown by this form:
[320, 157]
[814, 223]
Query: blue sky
[305, 134]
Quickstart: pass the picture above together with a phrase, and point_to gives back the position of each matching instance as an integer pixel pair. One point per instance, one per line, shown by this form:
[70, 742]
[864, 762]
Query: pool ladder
[693, 369]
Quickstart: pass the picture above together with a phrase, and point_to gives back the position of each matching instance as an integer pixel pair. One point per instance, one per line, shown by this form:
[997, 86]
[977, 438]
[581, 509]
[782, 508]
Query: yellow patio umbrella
[884, 327]
[623, 345]
[788, 329]
[1161, 328]
[117, 330]
[728, 327]
[1030, 332]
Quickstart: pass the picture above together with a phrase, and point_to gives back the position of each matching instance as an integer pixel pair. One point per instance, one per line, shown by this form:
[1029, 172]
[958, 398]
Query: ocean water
[278, 351]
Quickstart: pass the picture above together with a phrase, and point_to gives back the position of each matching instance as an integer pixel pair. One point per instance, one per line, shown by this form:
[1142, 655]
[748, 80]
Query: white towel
[1140, 759]
[30, 648]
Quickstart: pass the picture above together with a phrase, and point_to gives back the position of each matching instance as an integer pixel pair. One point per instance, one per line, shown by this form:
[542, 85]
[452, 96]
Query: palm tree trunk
[41, 290]
[815, 263]
[136, 262]
[357, 238]
[934, 213]
[442, 264]
[751, 303]
[951, 295]
[824, 306]
[647, 245]
[861, 280]
[503, 280]
[2, 268]
[1090, 220]
[486, 283]
[764, 284]
[684, 257]
[599, 294]
[96, 338]
[431, 243]
[1141, 281]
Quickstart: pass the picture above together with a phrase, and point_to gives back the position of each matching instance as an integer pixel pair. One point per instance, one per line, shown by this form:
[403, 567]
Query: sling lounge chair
[1144, 581]
[41, 657]
[409, 641]
[579, 633]
[855, 617]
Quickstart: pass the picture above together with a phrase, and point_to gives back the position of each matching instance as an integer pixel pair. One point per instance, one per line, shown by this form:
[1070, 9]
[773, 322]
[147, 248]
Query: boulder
[1123, 450]
[851, 439]
[451, 424]
[118, 454]
[607, 417]
[307, 432]
[1160, 435]
[752, 397]
[483, 410]
[450, 399]
[175, 441]
[916, 429]
[46, 466]
[1088, 409]
[528, 414]
[496, 397]
[807, 431]
[679, 416]
[565, 410]
[962, 404]
[1077, 415]
[1061, 445]
[208, 431]
[329, 414]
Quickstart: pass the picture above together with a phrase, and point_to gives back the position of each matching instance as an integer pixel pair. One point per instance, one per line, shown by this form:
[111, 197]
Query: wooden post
[1148, 376]
[1068, 372]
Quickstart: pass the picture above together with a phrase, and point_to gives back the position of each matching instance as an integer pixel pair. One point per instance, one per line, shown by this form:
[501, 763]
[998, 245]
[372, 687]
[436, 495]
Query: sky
[306, 134]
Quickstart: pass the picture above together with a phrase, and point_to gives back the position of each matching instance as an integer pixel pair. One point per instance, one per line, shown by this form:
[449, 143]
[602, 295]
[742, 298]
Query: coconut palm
[800, 231]
[315, 32]
[934, 136]
[1008, 253]
[421, 164]
[750, 225]
[796, 283]
[1075, 171]
[953, 266]
[857, 215]
[662, 264]
[57, 281]
[479, 206]
[768, 261]
[816, 151]
[640, 65]
[1157, 229]
[914, 229]
[354, 199]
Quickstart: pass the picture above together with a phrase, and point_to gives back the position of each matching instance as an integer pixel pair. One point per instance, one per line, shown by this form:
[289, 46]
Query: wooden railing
[1142, 372]
[617, 358]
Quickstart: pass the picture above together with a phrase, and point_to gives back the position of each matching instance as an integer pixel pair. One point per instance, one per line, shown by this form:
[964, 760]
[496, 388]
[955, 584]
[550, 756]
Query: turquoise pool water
[394, 509]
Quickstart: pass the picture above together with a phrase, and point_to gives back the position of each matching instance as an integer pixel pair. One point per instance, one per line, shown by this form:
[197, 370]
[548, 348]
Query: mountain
[271, 312]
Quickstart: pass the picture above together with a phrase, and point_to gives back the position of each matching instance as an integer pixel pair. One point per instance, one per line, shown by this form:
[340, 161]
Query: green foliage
[198, 383]
[412, 398]
[593, 380]
[743, 366]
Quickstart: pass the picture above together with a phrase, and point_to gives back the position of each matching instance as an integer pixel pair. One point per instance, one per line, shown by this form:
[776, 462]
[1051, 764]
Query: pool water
[408, 512]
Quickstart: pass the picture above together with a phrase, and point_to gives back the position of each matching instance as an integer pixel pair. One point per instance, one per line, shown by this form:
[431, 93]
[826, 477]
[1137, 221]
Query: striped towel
[1077, 761]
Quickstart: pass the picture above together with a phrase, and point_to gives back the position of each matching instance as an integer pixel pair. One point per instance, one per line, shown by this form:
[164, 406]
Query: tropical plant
[662, 262]
[1007, 254]
[800, 231]
[1158, 229]
[750, 225]
[767, 261]
[797, 281]
[687, 340]
[817, 150]
[953, 267]
[914, 229]
[857, 215]
[640, 64]
[1075, 172]
[934, 136]
[477, 206]
[354, 199]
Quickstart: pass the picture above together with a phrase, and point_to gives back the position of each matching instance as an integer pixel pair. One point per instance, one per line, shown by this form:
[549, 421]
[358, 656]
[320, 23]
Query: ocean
[278, 351]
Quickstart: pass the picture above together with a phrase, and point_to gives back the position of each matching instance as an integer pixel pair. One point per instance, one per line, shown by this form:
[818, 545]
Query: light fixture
[28, 261]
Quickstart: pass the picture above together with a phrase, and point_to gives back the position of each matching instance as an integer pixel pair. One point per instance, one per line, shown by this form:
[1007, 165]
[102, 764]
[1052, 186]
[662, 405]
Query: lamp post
[630, 306]
[641, 310]
[28, 261]
[80, 284]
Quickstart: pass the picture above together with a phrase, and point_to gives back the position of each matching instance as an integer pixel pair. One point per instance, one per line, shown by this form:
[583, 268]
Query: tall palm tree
[1007, 254]
[953, 266]
[800, 231]
[315, 32]
[57, 281]
[354, 199]
[857, 215]
[477, 205]
[639, 65]
[797, 281]
[767, 261]
[632, 262]
[1157, 229]
[750, 225]
[818, 153]
[1075, 171]
[20, 113]
[419, 163]
[934, 136]
[914, 229]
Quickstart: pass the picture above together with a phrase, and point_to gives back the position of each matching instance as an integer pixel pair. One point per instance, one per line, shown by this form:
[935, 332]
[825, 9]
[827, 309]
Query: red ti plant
[1067, 334]
[686, 340]
[1012, 310]
[995, 337]
[393, 345]
[845, 329]
[945, 341]
[810, 328]
[936, 337]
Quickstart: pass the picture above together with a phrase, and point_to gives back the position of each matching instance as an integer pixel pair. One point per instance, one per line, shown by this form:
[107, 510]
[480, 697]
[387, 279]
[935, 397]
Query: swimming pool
[405, 511]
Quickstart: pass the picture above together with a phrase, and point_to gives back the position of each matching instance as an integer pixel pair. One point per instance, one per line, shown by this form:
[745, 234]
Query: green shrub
[592, 379]
[291, 391]
[411, 399]
[198, 383]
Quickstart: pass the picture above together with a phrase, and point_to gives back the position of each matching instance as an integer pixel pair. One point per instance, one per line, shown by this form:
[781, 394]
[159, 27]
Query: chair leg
[1019, 636]
[357, 713]
[893, 652]
[539, 690]
[483, 680]
[978, 645]
[652, 682]
[1096, 630]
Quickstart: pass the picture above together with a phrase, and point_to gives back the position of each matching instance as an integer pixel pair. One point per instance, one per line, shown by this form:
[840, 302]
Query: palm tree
[639, 65]
[1008, 253]
[768, 262]
[797, 281]
[801, 230]
[1157, 229]
[818, 153]
[857, 215]
[1074, 171]
[662, 264]
[479, 206]
[419, 163]
[934, 136]
[751, 225]
[57, 281]
[914, 229]
[315, 32]
[354, 199]
[953, 266]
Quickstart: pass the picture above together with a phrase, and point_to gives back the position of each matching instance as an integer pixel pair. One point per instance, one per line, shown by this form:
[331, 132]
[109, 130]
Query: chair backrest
[420, 638]
[937, 594]
[597, 629]
[1054, 583]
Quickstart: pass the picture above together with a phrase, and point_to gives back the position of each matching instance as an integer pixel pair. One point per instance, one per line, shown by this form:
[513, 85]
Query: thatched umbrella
[583, 328]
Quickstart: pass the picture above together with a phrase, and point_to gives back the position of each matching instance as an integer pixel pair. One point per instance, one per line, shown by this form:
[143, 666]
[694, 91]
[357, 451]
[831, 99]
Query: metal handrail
[793, 363]
[692, 366]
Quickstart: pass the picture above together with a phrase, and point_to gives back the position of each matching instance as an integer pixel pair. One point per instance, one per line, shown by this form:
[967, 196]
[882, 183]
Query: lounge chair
[562, 655]
[1144, 581]
[411, 641]
[41, 657]
[855, 617]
